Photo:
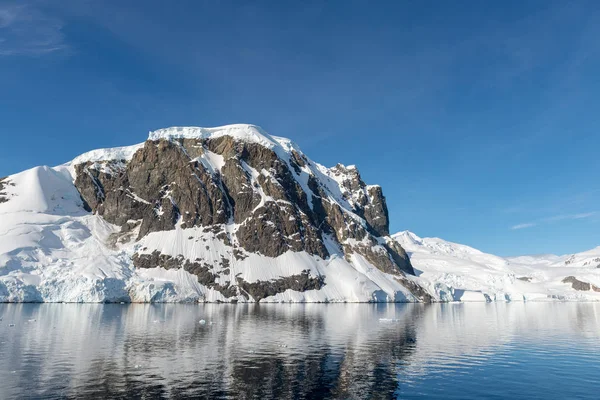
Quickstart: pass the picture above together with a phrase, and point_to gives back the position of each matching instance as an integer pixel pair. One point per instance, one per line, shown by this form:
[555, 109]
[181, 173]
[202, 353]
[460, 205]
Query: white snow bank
[243, 132]
[462, 273]
[41, 190]
[114, 153]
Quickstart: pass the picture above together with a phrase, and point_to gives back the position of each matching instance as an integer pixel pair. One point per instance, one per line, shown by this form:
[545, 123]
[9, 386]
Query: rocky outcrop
[418, 291]
[274, 229]
[580, 285]
[202, 270]
[367, 201]
[4, 182]
[399, 256]
[592, 262]
[375, 211]
[164, 182]
[258, 198]
[160, 185]
[300, 283]
[209, 277]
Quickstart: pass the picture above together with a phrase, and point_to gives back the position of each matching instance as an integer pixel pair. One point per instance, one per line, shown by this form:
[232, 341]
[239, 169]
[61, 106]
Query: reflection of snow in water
[294, 350]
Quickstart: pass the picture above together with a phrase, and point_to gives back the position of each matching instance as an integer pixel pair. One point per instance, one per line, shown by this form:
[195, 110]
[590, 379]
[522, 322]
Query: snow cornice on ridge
[243, 132]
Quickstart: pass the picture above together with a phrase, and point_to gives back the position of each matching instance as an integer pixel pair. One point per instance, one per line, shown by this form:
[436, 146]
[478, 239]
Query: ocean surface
[300, 351]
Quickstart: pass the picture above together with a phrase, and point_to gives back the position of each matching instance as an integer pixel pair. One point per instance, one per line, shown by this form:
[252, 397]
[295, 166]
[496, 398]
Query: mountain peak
[244, 132]
[407, 237]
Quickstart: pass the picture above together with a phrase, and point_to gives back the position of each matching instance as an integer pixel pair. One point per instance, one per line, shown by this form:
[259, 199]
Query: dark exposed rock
[275, 226]
[166, 183]
[368, 201]
[126, 235]
[400, 257]
[524, 278]
[257, 290]
[239, 186]
[376, 255]
[239, 255]
[297, 161]
[224, 237]
[376, 212]
[391, 259]
[418, 291]
[275, 229]
[570, 260]
[289, 229]
[341, 224]
[3, 183]
[580, 285]
[225, 263]
[202, 271]
[159, 185]
[162, 183]
[300, 283]
[593, 262]
[163, 173]
[109, 193]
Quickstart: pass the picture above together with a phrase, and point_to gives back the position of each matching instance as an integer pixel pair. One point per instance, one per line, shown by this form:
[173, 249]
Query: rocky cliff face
[264, 198]
[247, 214]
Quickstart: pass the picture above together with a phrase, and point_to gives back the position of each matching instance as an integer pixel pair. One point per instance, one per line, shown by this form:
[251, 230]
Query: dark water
[450, 351]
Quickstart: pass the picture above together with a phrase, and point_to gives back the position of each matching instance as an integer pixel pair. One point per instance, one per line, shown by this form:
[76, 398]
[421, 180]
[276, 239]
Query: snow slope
[457, 272]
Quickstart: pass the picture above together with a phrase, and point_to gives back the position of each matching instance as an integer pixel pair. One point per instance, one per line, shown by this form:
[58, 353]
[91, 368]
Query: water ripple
[347, 351]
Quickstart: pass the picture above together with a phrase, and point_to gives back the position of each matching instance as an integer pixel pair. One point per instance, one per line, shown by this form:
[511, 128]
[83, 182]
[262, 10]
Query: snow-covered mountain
[232, 214]
[456, 272]
[199, 214]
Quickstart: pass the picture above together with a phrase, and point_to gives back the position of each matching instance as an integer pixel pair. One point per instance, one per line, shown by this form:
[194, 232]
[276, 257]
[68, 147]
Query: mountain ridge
[233, 214]
[457, 272]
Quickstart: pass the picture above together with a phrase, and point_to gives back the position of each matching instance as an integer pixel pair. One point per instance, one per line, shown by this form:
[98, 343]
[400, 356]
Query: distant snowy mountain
[455, 272]
[199, 214]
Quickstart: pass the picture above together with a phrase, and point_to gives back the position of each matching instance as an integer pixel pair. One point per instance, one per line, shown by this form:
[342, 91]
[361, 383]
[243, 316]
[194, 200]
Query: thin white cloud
[555, 218]
[563, 217]
[584, 215]
[26, 30]
[523, 226]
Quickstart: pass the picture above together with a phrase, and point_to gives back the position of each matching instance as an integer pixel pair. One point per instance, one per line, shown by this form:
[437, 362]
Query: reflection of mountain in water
[261, 351]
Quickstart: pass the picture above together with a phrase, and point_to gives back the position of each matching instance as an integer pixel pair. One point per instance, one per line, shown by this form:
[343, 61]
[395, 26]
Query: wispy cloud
[584, 215]
[555, 218]
[27, 30]
[523, 226]
[563, 217]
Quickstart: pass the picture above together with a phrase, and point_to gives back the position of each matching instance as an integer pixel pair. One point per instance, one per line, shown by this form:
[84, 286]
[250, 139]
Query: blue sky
[479, 119]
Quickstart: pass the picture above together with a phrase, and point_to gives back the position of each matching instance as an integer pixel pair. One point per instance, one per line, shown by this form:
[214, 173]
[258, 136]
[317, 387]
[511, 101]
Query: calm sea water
[345, 351]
